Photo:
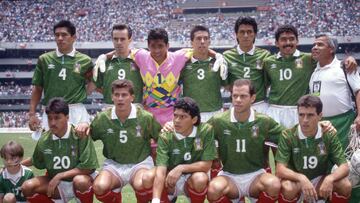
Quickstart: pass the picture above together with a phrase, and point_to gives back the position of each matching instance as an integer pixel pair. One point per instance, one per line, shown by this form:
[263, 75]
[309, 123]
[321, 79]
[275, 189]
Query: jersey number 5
[123, 137]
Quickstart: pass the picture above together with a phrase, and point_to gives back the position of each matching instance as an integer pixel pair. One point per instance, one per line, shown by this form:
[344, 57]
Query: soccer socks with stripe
[266, 198]
[144, 195]
[37, 197]
[222, 199]
[196, 197]
[85, 197]
[336, 198]
[164, 197]
[110, 197]
[283, 200]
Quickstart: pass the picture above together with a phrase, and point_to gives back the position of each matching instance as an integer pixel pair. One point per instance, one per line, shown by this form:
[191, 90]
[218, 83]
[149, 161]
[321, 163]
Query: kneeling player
[68, 160]
[241, 133]
[304, 156]
[184, 156]
[125, 130]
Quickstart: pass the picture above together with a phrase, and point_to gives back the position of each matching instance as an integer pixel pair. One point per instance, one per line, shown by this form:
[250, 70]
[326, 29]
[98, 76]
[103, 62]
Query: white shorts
[315, 183]
[77, 114]
[260, 106]
[205, 116]
[124, 172]
[285, 115]
[242, 181]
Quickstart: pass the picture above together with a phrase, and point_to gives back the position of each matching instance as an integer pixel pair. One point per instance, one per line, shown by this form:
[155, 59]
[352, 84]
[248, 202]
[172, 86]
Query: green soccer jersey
[246, 66]
[310, 156]
[120, 68]
[174, 149]
[9, 185]
[241, 145]
[202, 84]
[62, 76]
[288, 77]
[128, 142]
[57, 155]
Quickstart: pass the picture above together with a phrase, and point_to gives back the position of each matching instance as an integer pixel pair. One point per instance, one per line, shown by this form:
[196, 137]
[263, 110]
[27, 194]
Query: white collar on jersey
[114, 56]
[233, 119]
[59, 54]
[66, 136]
[334, 63]
[251, 52]
[295, 54]
[192, 134]
[193, 60]
[14, 178]
[302, 136]
[132, 114]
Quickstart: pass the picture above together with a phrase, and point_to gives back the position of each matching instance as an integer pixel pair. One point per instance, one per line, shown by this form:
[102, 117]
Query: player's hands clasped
[173, 177]
[308, 189]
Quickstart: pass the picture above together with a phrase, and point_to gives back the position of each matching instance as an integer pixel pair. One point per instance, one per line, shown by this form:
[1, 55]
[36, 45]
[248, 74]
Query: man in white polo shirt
[332, 86]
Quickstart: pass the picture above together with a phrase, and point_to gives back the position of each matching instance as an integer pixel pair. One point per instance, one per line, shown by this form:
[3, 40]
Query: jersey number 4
[62, 74]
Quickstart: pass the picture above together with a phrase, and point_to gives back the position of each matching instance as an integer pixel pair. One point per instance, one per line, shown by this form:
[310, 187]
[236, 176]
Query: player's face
[58, 123]
[158, 49]
[121, 41]
[122, 99]
[287, 43]
[308, 120]
[64, 40]
[246, 35]
[321, 49]
[201, 42]
[241, 98]
[183, 123]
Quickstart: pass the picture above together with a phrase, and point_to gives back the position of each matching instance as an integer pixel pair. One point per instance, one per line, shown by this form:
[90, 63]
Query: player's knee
[288, 189]
[272, 184]
[28, 187]
[82, 182]
[9, 198]
[101, 187]
[199, 181]
[216, 187]
[343, 187]
[148, 178]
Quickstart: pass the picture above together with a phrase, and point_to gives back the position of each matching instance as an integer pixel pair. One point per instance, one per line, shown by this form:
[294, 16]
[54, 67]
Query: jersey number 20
[61, 162]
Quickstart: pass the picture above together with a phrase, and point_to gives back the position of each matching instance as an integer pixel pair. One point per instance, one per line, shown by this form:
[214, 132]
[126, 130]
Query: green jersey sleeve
[274, 130]
[162, 157]
[88, 158]
[38, 158]
[156, 127]
[209, 146]
[337, 155]
[283, 152]
[38, 79]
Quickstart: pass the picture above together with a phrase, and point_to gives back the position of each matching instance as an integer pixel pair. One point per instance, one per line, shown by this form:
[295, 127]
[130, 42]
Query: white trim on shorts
[260, 106]
[285, 115]
[205, 116]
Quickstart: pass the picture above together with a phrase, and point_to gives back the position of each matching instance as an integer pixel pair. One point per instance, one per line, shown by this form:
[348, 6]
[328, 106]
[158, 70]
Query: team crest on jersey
[259, 64]
[176, 151]
[211, 65]
[133, 66]
[198, 144]
[47, 151]
[322, 148]
[273, 66]
[138, 131]
[296, 150]
[73, 150]
[227, 132]
[77, 67]
[51, 66]
[255, 131]
[110, 131]
[299, 63]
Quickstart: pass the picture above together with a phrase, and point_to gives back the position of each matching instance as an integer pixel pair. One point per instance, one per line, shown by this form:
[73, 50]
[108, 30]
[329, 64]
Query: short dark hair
[57, 105]
[158, 33]
[245, 21]
[13, 149]
[245, 82]
[196, 29]
[116, 84]
[189, 106]
[310, 101]
[68, 25]
[122, 27]
[285, 28]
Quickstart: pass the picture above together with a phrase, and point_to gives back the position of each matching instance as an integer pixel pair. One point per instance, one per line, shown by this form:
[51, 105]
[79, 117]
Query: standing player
[120, 66]
[68, 160]
[199, 79]
[304, 155]
[334, 88]
[14, 174]
[241, 133]
[61, 73]
[245, 61]
[184, 156]
[125, 130]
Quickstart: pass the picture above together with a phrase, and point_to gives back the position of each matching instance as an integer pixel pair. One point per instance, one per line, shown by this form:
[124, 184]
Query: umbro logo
[51, 66]
[227, 132]
[110, 131]
[233, 64]
[296, 150]
[188, 67]
[47, 151]
[110, 67]
[176, 151]
[273, 66]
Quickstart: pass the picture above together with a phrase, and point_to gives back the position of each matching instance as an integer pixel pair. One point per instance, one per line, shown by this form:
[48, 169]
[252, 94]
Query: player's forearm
[199, 166]
[283, 172]
[212, 53]
[159, 181]
[90, 87]
[35, 99]
[341, 172]
[357, 99]
[74, 172]
[27, 162]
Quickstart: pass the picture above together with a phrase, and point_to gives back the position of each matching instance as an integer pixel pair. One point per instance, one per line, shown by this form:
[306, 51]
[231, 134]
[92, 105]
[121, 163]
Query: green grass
[29, 145]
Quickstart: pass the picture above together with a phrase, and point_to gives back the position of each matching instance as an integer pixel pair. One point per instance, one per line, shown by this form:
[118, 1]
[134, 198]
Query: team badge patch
[299, 63]
[51, 66]
[138, 131]
[211, 65]
[316, 88]
[133, 66]
[259, 64]
[73, 150]
[255, 131]
[77, 67]
[322, 148]
[198, 144]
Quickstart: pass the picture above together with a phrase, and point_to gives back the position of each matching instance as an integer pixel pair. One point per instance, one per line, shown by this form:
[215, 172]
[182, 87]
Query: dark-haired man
[61, 73]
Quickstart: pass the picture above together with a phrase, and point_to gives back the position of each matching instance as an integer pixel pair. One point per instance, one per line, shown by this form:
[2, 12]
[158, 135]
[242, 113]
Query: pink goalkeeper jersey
[161, 82]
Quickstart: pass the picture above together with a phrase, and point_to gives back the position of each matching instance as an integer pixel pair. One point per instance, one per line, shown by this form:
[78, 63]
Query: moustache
[286, 46]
